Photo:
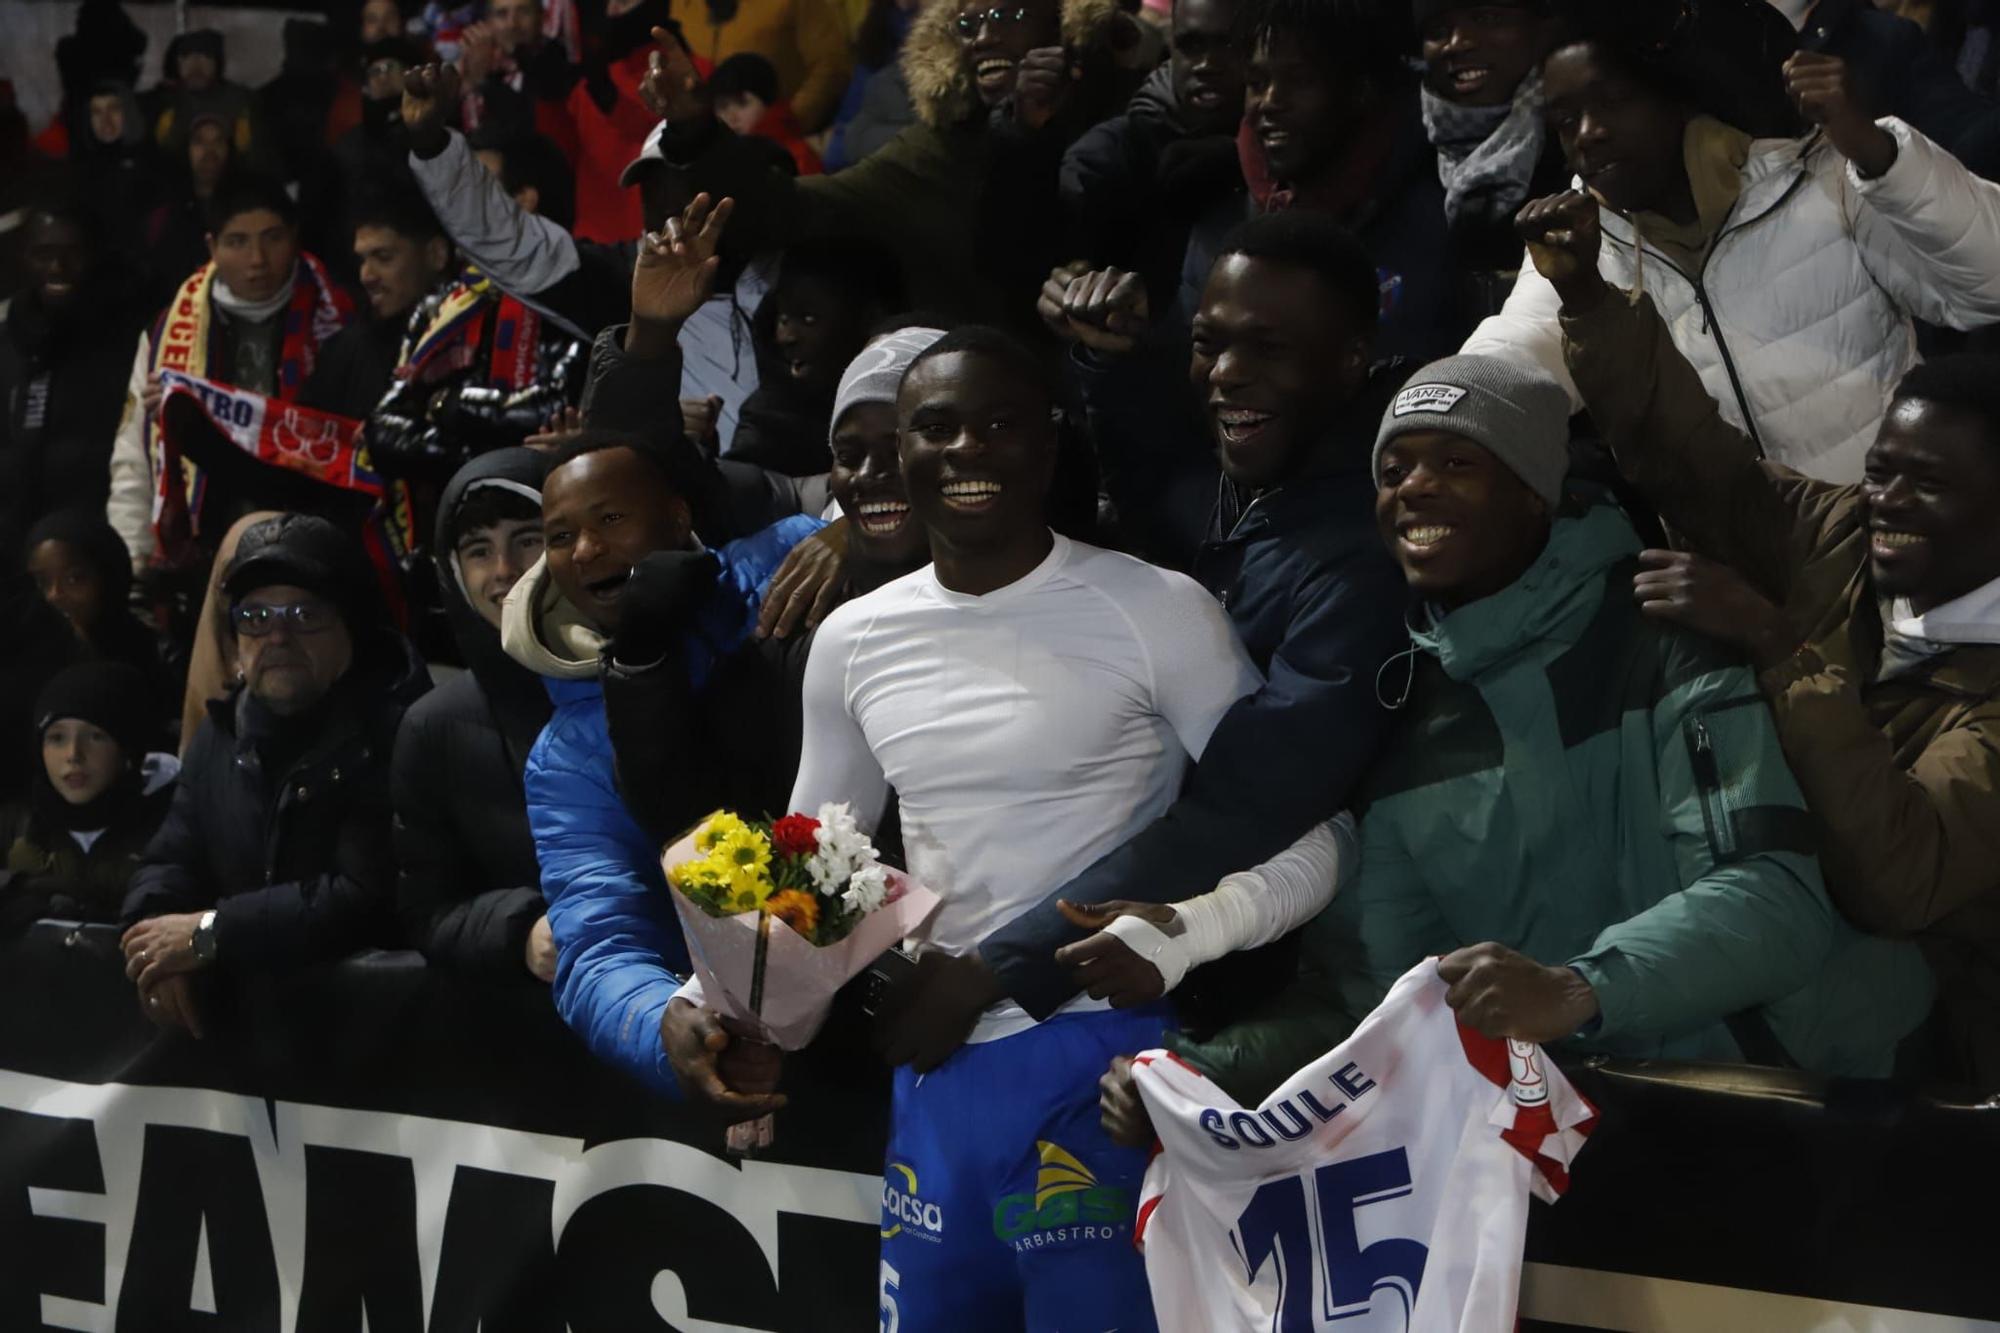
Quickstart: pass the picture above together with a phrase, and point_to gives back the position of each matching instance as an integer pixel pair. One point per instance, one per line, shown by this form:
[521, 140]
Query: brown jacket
[1904, 774]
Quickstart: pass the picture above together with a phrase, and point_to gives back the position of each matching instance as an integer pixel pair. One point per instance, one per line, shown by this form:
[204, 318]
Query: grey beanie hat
[1517, 413]
[876, 374]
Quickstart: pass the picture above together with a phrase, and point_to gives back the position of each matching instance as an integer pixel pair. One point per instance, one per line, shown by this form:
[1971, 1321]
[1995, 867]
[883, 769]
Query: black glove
[659, 603]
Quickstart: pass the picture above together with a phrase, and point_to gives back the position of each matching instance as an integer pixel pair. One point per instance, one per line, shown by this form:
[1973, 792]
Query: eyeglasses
[970, 24]
[257, 620]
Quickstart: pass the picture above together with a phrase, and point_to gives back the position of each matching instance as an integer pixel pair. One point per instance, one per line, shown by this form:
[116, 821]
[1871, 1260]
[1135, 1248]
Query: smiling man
[829, 293]
[1872, 613]
[1586, 813]
[1275, 522]
[1334, 127]
[610, 501]
[1482, 100]
[402, 255]
[1031, 702]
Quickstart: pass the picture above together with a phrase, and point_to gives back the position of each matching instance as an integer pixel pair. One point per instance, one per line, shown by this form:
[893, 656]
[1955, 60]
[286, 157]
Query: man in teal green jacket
[1584, 810]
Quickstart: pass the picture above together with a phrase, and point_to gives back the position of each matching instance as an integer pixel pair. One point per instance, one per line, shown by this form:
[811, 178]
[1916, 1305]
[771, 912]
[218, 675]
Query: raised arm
[523, 253]
[1928, 229]
[1669, 438]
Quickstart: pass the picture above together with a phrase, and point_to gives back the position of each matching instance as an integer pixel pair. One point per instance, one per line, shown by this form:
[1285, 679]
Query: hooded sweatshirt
[468, 887]
[1578, 782]
[620, 952]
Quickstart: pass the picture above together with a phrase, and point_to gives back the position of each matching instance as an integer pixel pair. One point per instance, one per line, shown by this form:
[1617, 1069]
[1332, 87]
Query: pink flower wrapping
[800, 978]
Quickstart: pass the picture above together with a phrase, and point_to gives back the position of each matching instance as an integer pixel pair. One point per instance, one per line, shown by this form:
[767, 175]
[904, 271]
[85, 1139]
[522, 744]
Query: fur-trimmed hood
[941, 88]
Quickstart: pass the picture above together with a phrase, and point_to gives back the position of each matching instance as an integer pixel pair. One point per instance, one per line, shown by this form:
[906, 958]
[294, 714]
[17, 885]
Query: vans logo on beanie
[1438, 398]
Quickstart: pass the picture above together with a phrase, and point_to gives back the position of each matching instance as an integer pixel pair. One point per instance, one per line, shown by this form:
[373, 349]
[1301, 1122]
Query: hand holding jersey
[1384, 1185]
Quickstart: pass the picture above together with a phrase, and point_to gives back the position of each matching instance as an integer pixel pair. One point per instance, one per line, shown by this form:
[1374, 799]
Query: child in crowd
[83, 571]
[95, 801]
[745, 88]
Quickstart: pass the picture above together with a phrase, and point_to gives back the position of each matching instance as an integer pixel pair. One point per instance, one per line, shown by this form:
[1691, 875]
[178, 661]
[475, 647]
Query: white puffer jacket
[1800, 321]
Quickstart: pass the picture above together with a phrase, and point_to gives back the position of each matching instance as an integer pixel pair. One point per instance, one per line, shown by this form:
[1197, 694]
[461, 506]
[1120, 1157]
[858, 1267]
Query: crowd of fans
[1239, 496]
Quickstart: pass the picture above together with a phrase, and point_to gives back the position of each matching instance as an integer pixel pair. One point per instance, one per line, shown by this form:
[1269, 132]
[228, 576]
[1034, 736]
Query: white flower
[867, 889]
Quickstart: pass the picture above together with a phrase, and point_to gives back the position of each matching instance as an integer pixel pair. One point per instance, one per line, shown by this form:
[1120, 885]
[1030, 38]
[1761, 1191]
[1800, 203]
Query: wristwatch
[204, 937]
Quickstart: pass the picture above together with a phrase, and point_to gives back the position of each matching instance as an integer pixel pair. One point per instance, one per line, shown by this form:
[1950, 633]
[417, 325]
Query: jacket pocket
[1718, 813]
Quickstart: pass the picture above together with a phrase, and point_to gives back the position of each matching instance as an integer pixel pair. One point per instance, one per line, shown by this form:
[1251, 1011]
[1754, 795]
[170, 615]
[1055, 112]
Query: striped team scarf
[187, 340]
[470, 321]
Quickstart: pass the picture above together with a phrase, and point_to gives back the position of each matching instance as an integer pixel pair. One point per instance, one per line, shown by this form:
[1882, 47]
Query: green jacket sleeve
[908, 194]
[1701, 473]
[1904, 847]
[1751, 923]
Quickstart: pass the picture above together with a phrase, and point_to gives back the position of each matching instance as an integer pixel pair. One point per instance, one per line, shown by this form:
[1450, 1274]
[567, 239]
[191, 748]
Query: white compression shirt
[1025, 733]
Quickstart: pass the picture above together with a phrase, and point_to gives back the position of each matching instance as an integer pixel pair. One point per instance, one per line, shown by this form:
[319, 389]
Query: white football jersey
[1384, 1187]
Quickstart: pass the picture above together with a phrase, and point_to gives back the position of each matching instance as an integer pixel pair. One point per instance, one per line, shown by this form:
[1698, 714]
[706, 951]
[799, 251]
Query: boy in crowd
[257, 316]
[468, 887]
[1483, 113]
[1031, 702]
[828, 295]
[1871, 612]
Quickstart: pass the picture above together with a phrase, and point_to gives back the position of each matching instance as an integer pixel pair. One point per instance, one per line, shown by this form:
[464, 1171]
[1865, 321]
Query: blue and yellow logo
[1068, 1205]
[904, 1209]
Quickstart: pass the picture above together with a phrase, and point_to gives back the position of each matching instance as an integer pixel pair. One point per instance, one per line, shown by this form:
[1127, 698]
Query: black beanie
[308, 552]
[112, 696]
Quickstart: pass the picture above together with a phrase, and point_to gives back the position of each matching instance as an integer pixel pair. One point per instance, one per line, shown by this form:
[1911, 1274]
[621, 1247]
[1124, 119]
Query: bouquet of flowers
[780, 914]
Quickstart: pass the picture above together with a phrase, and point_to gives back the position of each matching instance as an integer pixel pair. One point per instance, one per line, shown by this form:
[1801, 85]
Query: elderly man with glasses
[276, 853]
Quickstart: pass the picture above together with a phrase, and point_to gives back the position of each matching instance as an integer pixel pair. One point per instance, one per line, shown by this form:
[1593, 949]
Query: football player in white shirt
[1032, 702]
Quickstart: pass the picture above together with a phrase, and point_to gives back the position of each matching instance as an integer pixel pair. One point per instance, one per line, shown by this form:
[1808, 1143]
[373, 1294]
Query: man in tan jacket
[1872, 613]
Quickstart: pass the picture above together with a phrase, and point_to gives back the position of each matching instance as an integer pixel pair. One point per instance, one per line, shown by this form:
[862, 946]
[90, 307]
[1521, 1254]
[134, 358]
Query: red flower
[793, 836]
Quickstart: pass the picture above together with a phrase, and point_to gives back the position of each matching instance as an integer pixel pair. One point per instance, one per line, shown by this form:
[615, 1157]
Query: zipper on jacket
[1708, 783]
[1709, 324]
[1713, 328]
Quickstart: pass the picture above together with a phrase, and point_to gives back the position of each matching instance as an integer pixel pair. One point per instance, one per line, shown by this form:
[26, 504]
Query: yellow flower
[698, 878]
[744, 849]
[797, 909]
[748, 888]
[720, 826]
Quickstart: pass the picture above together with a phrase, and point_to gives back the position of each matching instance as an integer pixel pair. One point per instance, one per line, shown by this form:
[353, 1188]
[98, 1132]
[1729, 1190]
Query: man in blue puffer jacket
[611, 502]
